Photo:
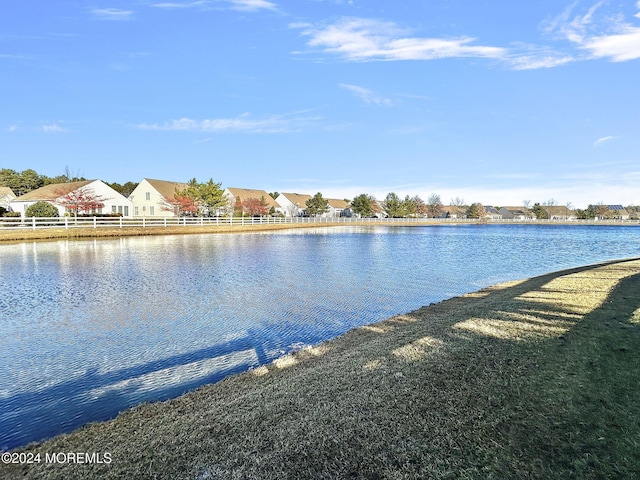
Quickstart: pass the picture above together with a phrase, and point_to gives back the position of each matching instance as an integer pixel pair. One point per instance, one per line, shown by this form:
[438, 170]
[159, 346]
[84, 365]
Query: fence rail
[155, 222]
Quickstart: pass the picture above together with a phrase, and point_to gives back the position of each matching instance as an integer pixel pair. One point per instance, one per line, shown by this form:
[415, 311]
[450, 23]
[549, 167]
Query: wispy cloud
[252, 5]
[112, 14]
[244, 123]
[605, 36]
[363, 40]
[366, 95]
[53, 128]
[180, 4]
[240, 5]
[603, 140]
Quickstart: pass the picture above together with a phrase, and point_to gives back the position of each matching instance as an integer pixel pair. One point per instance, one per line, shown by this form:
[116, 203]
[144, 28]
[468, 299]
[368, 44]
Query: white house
[243, 194]
[152, 198]
[336, 207]
[6, 197]
[292, 204]
[99, 198]
[516, 213]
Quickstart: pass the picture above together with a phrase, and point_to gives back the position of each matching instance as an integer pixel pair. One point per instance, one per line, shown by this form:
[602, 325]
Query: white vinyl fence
[119, 222]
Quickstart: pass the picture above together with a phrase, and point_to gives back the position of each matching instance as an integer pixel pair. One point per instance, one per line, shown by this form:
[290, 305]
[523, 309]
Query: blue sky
[491, 101]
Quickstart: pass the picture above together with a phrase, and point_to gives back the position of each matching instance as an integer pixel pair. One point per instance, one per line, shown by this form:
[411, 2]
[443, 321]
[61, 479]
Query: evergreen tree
[317, 205]
[363, 205]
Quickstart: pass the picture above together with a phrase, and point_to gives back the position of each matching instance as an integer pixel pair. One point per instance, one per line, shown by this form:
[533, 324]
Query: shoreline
[27, 234]
[531, 378]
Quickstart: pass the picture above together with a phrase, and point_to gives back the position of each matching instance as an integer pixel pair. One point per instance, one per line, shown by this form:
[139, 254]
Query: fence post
[120, 222]
[94, 222]
[66, 223]
[144, 223]
[33, 222]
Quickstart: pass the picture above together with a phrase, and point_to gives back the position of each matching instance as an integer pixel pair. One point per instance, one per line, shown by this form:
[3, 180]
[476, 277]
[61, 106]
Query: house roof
[52, 191]
[244, 193]
[165, 188]
[517, 210]
[557, 210]
[6, 191]
[337, 203]
[298, 199]
[491, 210]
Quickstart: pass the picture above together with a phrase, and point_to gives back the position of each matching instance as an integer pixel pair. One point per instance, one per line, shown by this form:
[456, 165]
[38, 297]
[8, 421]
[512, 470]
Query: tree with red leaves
[181, 204]
[81, 200]
[255, 207]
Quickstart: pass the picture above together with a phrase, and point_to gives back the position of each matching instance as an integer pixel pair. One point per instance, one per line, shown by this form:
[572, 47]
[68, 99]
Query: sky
[490, 101]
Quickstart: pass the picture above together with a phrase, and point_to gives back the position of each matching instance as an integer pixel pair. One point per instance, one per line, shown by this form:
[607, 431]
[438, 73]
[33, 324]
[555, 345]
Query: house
[559, 212]
[152, 198]
[336, 207]
[492, 213]
[452, 211]
[292, 204]
[516, 213]
[84, 197]
[6, 197]
[245, 196]
[617, 212]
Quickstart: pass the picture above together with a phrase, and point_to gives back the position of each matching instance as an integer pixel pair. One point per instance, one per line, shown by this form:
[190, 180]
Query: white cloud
[179, 5]
[361, 40]
[53, 128]
[112, 14]
[606, 37]
[241, 5]
[244, 123]
[603, 140]
[251, 5]
[366, 95]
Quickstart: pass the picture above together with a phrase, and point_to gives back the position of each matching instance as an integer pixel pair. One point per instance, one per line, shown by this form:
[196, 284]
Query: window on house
[119, 208]
[126, 210]
[113, 209]
[136, 211]
[144, 208]
[151, 210]
[148, 196]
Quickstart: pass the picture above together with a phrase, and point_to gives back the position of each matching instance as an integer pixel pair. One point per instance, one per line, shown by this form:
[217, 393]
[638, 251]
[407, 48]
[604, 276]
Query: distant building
[57, 193]
[516, 213]
[6, 197]
[336, 207]
[492, 213]
[559, 212]
[242, 194]
[292, 204]
[152, 198]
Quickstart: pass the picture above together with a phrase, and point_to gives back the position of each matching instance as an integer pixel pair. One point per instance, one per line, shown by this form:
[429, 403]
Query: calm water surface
[89, 328]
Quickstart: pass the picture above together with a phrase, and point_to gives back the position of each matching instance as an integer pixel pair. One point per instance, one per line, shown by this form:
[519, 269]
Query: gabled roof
[517, 210]
[244, 193]
[337, 203]
[52, 191]
[557, 210]
[298, 199]
[6, 191]
[165, 188]
[491, 210]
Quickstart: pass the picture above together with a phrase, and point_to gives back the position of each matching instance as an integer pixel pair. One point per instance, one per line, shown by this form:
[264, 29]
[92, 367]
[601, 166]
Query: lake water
[89, 328]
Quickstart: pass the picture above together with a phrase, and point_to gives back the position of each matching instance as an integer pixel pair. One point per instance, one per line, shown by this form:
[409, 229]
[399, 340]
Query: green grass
[531, 379]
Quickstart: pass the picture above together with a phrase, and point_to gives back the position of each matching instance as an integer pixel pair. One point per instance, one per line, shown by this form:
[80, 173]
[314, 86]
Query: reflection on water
[89, 328]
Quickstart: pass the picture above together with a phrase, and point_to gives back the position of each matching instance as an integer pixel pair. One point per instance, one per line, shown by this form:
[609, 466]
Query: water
[89, 328]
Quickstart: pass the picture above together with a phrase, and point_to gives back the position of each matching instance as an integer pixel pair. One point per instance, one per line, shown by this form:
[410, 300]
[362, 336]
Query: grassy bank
[530, 379]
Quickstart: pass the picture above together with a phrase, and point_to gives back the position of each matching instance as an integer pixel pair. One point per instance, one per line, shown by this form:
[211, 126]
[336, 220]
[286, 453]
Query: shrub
[42, 209]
